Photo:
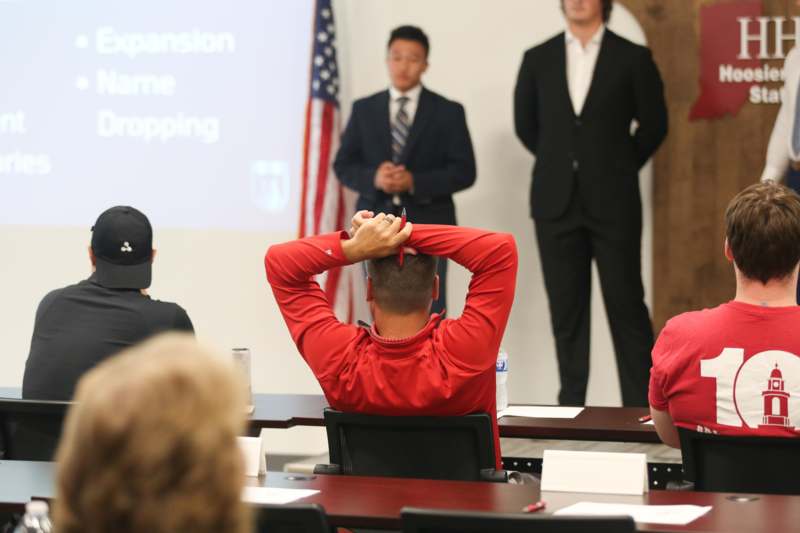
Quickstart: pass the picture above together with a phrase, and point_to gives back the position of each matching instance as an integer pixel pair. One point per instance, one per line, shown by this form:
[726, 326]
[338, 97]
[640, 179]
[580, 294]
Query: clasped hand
[393, 179]
[374, 236]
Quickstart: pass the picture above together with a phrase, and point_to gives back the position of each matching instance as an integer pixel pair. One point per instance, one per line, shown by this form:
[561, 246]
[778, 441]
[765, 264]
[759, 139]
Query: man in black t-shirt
[80, 325]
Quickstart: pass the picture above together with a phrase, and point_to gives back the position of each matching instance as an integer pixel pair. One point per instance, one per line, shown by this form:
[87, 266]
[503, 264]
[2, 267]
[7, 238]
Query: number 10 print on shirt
[761, 392]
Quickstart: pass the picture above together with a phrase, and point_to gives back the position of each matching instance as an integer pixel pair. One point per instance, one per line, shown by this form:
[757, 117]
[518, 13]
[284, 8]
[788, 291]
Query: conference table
[373, 502]
[616, 424]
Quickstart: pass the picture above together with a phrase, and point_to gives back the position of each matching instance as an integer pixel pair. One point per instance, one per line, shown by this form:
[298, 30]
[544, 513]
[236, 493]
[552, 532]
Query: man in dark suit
[408, 147]
[575, 99]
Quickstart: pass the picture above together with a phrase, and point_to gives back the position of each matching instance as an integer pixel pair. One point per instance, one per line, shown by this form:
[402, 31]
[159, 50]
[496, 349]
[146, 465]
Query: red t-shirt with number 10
[732, 370]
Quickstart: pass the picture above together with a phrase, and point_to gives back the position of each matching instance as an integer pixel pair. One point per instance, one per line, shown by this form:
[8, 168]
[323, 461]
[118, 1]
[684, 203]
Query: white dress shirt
[780, 152]
[580, 66]
[411, 106]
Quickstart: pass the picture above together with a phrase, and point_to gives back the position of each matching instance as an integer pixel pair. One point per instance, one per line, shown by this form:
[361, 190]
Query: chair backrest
[456, 447]
[298, 518]
[31, 429]
[436, 521]
[719, 463]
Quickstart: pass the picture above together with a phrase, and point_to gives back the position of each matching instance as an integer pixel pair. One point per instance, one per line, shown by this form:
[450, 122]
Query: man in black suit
[576, 97]
[408, 146]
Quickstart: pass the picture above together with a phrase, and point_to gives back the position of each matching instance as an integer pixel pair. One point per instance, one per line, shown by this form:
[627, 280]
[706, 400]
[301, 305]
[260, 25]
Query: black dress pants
[567, 246]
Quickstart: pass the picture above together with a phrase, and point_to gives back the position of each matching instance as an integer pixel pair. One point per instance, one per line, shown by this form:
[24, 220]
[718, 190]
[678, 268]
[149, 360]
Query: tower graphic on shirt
[776, 401]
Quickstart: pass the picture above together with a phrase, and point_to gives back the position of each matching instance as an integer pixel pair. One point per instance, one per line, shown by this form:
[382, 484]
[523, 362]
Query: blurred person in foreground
[151, 445]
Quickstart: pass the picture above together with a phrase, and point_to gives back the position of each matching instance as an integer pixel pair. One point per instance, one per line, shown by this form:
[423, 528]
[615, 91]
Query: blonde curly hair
[151, 444]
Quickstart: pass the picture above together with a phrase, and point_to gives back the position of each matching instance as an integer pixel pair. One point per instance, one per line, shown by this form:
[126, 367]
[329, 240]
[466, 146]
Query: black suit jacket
[595, 151]
[438, 152]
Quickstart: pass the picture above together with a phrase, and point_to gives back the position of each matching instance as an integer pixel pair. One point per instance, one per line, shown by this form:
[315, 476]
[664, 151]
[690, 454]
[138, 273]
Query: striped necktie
[400, 129]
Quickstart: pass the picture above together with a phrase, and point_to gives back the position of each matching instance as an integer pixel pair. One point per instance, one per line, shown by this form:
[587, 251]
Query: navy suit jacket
[438, 153]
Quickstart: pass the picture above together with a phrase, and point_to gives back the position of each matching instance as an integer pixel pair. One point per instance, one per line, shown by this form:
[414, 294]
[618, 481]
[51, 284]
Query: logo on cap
[126, 247]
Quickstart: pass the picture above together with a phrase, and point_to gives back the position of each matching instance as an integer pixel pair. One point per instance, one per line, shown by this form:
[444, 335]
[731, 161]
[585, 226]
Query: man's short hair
[410, 33]
[403, 289]
[607, 6]
[763, 230]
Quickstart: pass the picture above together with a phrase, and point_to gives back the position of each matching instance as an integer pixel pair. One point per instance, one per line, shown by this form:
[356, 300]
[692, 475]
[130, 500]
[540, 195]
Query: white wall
[218, 276]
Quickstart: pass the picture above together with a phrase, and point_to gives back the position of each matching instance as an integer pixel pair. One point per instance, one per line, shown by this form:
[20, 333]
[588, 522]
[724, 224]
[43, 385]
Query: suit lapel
[421, 119]
[601, 69]
[560, 62]
[384, 122]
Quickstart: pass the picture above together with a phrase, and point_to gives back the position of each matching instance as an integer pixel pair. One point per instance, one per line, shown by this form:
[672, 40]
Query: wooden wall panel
[700, 166]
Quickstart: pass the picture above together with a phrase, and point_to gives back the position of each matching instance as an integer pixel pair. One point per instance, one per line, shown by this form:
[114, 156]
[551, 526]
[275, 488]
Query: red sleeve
[318, 334]
[474, 338]
[656, 395]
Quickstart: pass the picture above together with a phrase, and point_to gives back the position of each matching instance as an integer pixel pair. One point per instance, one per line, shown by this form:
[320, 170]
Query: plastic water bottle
[36, 519]
[501, 379]
[241, 358]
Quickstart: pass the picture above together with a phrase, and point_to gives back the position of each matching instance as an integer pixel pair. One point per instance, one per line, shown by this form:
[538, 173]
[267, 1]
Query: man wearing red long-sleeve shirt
[407, 363]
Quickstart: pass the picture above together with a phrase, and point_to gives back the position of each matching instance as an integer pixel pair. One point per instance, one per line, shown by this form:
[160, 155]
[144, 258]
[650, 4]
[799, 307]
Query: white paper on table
[649, 423]
[675, 515]
[274, 495]
[540, 411]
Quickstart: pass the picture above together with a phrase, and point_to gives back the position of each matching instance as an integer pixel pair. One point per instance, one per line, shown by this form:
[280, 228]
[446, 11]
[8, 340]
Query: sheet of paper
[649, 423]
[675, 515]
[540, 411]
[274, 495]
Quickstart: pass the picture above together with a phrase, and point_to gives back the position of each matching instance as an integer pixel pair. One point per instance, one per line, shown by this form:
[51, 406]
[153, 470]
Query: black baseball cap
[122, 243]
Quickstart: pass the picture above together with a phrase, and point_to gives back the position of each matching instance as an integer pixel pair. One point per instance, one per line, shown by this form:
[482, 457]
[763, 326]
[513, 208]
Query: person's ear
[370, 296]
[153, 256]
[435, 291]
[92, 257]
[728, 251]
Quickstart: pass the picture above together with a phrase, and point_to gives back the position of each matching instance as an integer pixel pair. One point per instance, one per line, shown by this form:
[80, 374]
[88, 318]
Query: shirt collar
[569, 37]
[401, 346]
[412, 94]
[93, 279]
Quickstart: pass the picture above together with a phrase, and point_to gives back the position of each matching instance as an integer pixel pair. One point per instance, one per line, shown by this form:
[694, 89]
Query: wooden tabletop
[618, 424]
[370, 502]
[271, 410]
[287, 410]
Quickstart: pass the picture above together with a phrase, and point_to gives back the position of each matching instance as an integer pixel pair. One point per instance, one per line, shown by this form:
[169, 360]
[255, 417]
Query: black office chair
[452, 447]
[299, 518]
[435, 521]
[719, 463]
[31, 429]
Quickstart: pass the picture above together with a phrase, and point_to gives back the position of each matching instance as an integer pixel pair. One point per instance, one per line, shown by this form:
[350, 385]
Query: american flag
[324, 203]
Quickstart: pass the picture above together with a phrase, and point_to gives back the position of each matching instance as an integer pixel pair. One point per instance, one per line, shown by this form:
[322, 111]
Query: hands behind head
[373, 236]
[358, 219]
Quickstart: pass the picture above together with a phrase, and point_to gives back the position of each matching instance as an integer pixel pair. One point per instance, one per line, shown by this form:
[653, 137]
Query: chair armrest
[332, 470]
[493, 475]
